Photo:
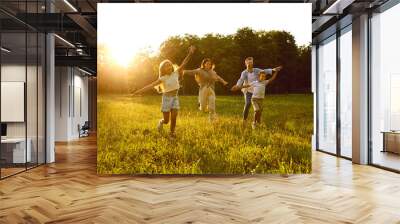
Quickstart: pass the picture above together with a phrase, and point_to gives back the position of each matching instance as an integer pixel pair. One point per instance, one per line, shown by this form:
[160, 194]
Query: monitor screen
[3, 129]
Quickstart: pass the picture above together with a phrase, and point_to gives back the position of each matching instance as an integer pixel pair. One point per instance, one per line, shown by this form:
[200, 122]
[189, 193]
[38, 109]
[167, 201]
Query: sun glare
[122, 57]
[123, 50]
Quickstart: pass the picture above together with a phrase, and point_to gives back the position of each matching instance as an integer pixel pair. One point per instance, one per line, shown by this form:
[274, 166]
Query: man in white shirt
[258, 93]
[249, 75]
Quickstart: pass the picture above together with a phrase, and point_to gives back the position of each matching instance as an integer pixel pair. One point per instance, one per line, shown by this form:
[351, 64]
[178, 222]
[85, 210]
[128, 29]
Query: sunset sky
[127, 28]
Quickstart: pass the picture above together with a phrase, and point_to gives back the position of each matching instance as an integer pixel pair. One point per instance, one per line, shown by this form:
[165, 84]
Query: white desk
[18, 150]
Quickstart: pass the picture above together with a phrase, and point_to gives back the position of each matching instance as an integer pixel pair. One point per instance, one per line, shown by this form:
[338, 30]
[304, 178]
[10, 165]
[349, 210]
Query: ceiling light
[338, 6]
[70, 5]
[86, 72]
[5, 50]
[64, 40]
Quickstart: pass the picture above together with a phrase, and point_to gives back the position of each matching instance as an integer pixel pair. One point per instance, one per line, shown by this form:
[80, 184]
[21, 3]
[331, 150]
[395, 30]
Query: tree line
[268, 48]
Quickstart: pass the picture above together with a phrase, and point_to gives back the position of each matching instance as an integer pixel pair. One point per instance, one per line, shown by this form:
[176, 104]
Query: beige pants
[257, 104]
[207, 100]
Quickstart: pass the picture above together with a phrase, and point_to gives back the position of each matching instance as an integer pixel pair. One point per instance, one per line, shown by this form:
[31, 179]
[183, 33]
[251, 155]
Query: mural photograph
[196, 89]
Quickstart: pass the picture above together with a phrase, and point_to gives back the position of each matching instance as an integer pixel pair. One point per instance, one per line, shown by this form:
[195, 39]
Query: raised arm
[186, 60]
[191, 72]
[268, 71]
[219, 78]
[149, 86]
[275, 72]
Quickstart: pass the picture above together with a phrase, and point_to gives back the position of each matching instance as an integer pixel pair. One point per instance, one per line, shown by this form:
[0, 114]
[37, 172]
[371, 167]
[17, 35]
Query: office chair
[84, 130]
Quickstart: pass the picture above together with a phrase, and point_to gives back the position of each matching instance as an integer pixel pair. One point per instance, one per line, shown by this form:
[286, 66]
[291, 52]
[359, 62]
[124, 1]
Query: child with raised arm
[169, 83]
[258, 87]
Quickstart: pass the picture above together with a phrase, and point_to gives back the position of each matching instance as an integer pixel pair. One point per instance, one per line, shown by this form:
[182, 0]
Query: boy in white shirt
[258, 88]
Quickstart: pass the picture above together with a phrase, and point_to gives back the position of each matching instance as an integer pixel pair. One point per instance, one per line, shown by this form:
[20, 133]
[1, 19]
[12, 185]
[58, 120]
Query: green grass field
[129, 143]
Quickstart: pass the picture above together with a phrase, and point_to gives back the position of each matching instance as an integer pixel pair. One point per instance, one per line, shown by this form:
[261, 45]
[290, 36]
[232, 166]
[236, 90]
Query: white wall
[80, 110]
[33, 127]
[62, 81]
[314, 91]
[12, 73]
[71, 94]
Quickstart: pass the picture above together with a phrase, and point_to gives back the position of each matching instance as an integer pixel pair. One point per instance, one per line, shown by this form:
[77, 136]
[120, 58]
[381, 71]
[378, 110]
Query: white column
[50, 110]
[50, 92]
[314, 91]
[360, 90]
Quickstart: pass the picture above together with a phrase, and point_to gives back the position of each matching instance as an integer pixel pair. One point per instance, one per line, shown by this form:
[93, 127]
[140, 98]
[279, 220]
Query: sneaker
[160, 125]
[253, 125]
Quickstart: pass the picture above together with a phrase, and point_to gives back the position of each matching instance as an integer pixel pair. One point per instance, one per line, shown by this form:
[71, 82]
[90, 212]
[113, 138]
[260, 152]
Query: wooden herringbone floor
[69, 191]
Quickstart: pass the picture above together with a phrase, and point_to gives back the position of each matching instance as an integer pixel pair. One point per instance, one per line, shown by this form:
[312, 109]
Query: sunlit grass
[129, 143]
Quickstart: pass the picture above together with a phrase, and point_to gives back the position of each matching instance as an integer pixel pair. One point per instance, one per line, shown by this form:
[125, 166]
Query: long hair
[205, 60]
[161, 70]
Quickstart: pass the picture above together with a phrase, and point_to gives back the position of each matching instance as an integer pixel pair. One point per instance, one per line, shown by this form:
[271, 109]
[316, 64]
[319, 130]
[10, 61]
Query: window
[23, 89]
[327, 95]
[385, 89]
[346, 92]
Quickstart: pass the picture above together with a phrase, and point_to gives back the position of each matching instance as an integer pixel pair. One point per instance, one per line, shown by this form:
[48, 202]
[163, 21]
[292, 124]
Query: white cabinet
[17, 147]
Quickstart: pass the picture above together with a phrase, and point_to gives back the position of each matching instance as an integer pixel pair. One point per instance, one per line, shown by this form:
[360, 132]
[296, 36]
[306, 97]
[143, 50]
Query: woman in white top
[206, 77]
[169, 83]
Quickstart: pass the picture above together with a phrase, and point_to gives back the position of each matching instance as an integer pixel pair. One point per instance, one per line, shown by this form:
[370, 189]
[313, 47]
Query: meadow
[129, 143]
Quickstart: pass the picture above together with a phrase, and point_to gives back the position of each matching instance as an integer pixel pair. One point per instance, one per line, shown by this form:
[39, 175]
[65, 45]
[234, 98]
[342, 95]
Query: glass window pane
[31, 97]
[14, 151]
[327, 95]
[346, 93]
[22, 88]
[385, 87]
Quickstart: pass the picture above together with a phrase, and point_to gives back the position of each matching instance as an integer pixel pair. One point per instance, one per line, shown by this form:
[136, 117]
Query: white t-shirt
[259, 88]
[169, 82]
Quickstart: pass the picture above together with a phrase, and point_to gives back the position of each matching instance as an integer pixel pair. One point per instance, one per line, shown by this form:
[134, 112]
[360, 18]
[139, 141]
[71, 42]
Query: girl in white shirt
[169, 83]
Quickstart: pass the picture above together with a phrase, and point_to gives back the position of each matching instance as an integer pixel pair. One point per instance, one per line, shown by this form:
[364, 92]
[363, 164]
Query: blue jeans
[247, 104]
[169, 102]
